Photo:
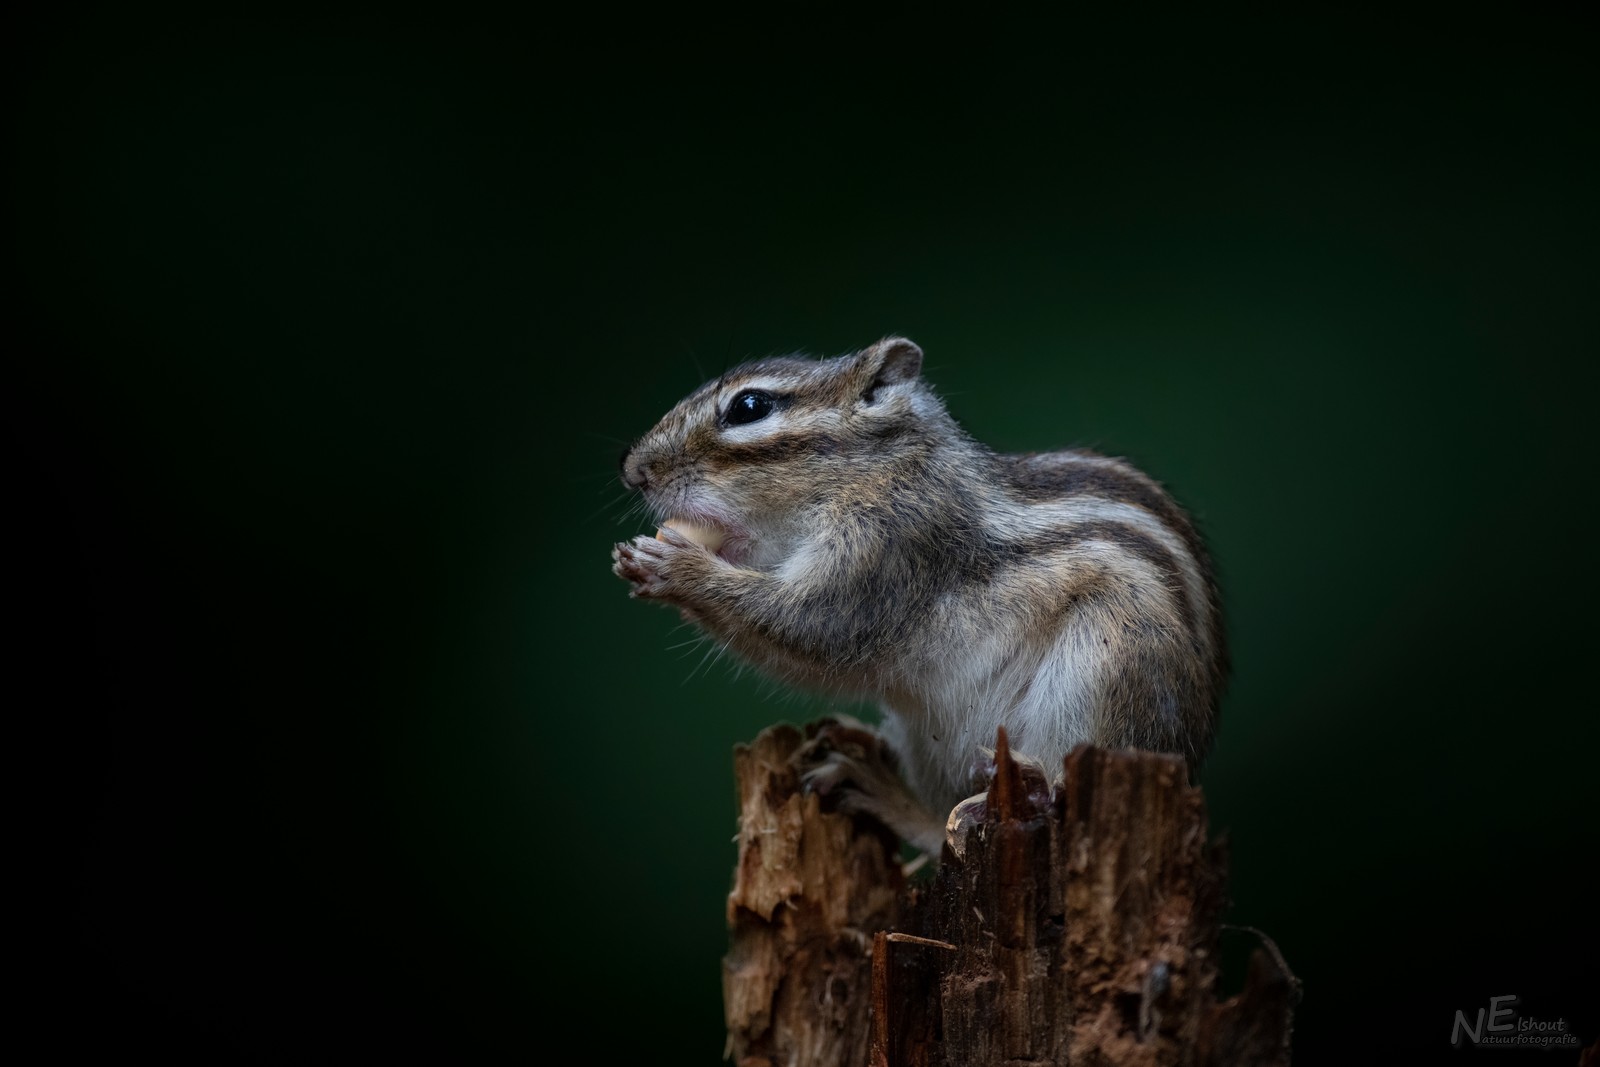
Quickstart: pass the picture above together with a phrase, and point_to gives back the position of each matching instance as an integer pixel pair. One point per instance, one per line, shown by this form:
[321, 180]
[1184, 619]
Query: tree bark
[1071, 926]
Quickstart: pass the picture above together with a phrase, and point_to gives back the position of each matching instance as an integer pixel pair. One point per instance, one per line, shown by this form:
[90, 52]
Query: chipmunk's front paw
[643, 564]
[660, 567]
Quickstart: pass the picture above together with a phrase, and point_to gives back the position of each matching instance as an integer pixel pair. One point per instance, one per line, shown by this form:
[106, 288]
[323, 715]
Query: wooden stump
[1078, 926]
[810, 891]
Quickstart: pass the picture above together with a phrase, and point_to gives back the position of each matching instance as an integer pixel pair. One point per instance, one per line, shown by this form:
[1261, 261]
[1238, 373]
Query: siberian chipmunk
[829, 522]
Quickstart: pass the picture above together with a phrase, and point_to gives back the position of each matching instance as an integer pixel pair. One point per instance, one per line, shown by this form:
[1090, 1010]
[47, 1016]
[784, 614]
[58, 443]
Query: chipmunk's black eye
[752, 405]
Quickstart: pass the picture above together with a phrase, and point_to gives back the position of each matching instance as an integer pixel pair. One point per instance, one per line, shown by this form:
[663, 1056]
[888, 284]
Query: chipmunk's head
[741, 461]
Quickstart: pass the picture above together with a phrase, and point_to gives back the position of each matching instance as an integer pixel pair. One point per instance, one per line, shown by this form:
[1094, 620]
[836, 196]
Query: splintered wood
[810, 891]
[1078, 926]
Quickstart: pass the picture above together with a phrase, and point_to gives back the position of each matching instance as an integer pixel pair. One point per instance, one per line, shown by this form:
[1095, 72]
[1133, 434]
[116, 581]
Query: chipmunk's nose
[634, 471]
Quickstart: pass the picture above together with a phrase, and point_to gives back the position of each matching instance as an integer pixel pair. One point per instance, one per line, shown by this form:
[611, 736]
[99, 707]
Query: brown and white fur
[871, 548]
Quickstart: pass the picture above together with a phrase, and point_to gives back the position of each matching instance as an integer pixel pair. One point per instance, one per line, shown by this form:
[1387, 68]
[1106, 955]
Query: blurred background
[330, 329]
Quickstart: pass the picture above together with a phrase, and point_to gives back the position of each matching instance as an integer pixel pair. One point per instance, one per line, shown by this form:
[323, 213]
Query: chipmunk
[829, 521]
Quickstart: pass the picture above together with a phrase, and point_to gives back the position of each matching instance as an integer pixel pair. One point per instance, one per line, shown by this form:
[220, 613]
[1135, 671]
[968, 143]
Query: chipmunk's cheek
[708, 537]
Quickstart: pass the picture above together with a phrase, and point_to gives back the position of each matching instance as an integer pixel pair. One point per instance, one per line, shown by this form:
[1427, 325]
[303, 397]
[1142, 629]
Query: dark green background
[333, 328]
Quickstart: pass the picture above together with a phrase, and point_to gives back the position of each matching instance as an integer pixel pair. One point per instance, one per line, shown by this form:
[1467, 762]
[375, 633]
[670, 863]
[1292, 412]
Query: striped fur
[875, 550]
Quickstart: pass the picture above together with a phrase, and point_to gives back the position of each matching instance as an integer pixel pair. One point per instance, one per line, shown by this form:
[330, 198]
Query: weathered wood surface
[810, 891]
[1078, 926]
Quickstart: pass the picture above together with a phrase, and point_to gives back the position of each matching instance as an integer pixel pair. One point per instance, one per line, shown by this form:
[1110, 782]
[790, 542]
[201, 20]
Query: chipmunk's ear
[889, 362]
